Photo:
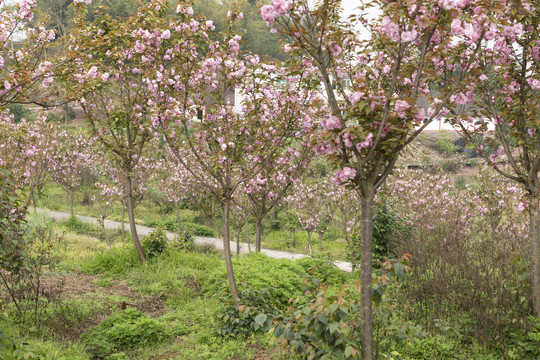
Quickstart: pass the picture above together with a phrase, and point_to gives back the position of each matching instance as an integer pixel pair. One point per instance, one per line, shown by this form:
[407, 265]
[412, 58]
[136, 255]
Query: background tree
[217, 143]
[501, 107]
[115, 59]
[69, 163]
[287, 164]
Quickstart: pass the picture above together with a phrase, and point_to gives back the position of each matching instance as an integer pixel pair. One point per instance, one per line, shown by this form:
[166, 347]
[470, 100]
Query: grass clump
[125, 330]
[107, 263]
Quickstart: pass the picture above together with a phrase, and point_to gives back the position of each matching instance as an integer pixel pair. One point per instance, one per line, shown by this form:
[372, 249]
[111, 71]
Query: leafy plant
[281, 278]
[155, 243]
[124, 330]
[254, 314]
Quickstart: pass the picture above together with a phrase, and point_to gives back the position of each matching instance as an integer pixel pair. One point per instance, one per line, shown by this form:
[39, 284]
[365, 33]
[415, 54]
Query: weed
[125, 330]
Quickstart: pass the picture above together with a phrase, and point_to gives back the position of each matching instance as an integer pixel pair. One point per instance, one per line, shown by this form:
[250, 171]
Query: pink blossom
[531, 132]
[335, 49]
[401, 107]
[407, 36]
[420, 115]
[534, 83]
[366, 143]
[281, 6]
[355, 97]
[268, 14]
[483, 77]
[331, 123]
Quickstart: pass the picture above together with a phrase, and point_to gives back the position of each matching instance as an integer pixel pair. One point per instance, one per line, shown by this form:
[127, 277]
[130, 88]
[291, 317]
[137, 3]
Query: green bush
[124, 330]
[324, 270]
[183, 240]
[200, 230]
[195, 229]
[155, 243]
[255, 313]
[76, 225]
[19, 112]
[281, 277]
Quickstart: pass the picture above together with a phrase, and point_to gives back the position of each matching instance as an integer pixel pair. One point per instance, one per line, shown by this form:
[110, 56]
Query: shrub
[255, 313]
[200, 230]
[195, 229]
[19, 112]
[444, 144]
[155, 243]
[281, 277]
[266, 286]
[183, 240]
[324, 270]
[124, 330]
[208, 249]
[450, 166]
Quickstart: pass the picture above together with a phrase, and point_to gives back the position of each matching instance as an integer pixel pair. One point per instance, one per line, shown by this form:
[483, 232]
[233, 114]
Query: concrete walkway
[218, 243]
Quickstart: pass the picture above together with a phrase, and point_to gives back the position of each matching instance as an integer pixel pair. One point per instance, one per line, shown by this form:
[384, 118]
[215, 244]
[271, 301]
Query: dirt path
[218, 243]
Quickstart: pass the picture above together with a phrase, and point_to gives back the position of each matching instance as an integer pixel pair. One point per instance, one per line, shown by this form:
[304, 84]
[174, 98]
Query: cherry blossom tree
[501, 107]
[343, 203]
[214, 148]
[372, 88]
[241, 211]
[69, 162]
[286, 165]
[27, 68]
[311, 206]
[114, 61]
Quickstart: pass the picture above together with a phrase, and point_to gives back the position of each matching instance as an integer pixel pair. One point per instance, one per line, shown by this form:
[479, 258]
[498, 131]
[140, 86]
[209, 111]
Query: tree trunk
[320, 241]
[132, 226]
[238, 241]
[309, 242]
[247, 237]
[178, 217]
[123, 217]
[534, 234]
[106, 236]
[32, 198]
[366, 270]
[227, 250]
[258, 233]
[71, 200]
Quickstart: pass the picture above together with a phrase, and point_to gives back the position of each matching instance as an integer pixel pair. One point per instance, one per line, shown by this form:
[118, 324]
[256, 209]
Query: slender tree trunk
[123, 217]
[247, 237]
[309, 243]
[106, 236]
[227, 250]
[366, 270]
[534, 234]
[132, 226]
[320, 241]
[238, 241]
[258, 233]
[32, 198]
[71, 200]
[178, 217]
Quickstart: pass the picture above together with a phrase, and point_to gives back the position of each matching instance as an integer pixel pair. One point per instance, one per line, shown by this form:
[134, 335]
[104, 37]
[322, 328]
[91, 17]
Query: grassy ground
[89, 285]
